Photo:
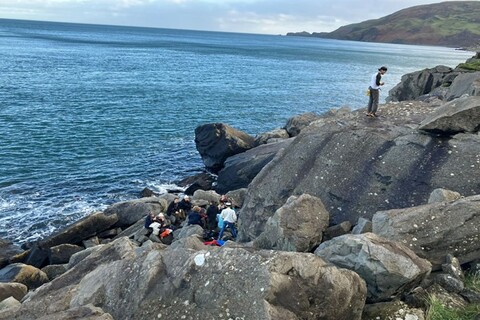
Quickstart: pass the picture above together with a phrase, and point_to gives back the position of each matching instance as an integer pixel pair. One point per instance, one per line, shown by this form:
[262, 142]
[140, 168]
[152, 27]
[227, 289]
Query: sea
[92, 114]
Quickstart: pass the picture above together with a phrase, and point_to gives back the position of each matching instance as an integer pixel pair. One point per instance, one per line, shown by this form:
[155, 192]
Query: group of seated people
[216, 218]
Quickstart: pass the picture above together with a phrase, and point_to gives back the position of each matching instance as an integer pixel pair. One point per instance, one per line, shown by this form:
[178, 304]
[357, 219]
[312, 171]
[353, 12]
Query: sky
[245, 16]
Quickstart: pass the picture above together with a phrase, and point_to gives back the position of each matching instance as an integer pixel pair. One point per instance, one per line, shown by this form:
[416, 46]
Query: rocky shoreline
[341, 216]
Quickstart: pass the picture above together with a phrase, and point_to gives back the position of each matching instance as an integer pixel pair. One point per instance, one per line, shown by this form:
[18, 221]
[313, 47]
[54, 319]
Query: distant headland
[450, 24]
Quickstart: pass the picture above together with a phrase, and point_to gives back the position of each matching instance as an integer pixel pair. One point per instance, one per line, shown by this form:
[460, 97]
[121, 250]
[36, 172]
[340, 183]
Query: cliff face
[452, 24]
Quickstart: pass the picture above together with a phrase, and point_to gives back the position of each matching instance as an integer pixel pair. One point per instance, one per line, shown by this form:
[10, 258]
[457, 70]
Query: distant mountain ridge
[451, 24]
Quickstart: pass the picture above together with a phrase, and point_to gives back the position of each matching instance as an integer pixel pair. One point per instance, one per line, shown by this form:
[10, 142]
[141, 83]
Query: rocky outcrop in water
[441, 82]
[217, 141]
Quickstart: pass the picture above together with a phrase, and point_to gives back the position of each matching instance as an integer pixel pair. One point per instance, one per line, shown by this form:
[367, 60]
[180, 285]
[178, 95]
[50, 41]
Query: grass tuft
[438, 311]
[474, 66]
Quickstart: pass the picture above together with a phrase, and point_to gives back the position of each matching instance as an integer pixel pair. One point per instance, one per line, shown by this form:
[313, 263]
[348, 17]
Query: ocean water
[90, 115]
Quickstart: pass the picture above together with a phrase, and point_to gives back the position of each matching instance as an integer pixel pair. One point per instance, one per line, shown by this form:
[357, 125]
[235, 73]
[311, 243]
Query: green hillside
[453, 24]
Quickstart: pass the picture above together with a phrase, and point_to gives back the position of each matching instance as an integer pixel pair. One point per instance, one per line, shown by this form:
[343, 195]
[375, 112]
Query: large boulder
[23, 273]
[61, 254]
[210, 196]
[418, 83]
[129, 212]
[274, 286]
[237, 197]
[296, 226]
[388, 268]
[12, 289]
[297, 123]
[358, 166]
[435, 230]
[217, 141]
[460, 115]
[464, 84]
[200, 181]
[181, 283]
[80, 230]
[240, 169]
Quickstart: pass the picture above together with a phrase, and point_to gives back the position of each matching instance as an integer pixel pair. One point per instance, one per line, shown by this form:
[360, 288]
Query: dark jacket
[195, 218]
[185, 205]
[172, 207]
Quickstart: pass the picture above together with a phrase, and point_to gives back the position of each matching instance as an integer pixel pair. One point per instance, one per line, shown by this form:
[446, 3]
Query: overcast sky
[249, 16]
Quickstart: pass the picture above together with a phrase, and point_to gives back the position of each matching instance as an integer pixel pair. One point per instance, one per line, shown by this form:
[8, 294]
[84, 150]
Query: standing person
[229, 218]
[375, 84]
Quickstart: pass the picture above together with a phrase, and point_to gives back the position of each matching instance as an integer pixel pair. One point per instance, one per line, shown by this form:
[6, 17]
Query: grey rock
[210, 196]
[296, 226]
[8, 307]
[338, 230]
[237, 197]
[470, 295]
[55, 270]
[91, 242]
[239, 170]
[37, 256]
[392, 310]
[79, 256]
[25, 274]
[176, 283]
[440, 195]
[358, 167]
[188, 231]
[459, 115]
[194, 242]
[61, 254]
[434, 230]
[81, 230]
[449, 283]
[87, 312]
[200, 181]
[271, 136]
[388, 268]
[12, 289]
[418, 83]
[363, 226]
[110, 233]
[133, 230]
[7, 250]
[216, 142]
[447, 299]
[298, 123]
[129, 212]
[453, 268]
[464, 84]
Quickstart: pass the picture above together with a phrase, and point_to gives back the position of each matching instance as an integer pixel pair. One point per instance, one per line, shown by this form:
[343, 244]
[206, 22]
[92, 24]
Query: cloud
[254, 16]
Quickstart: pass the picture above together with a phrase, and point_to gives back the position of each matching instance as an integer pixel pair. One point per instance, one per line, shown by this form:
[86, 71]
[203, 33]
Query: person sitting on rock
[229, 218]
[158, 224]
[173, 207]
[194, 217]
[184, 206]
[148, 221]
